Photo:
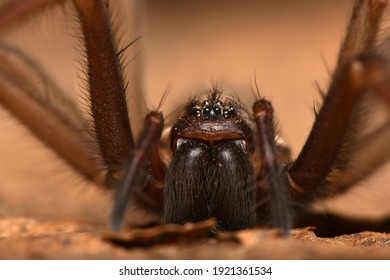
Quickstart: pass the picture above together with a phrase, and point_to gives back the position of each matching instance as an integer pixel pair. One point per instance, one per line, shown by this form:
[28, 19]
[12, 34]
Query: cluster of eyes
[209, 110]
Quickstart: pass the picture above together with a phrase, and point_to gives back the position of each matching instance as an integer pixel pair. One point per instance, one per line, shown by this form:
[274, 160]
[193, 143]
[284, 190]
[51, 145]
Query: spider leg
[144, 149]
[321, 150]
[108, 106]
[352, 78]
[270, 174]
[110, 114]
[362, 30]
[60, 126]
[106, 86]
[19, 96]
[107, 98]
[107, 92]
[47, 123]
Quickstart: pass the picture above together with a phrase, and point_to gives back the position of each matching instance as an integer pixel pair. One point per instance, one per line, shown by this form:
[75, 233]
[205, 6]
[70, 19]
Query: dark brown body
[225, 161]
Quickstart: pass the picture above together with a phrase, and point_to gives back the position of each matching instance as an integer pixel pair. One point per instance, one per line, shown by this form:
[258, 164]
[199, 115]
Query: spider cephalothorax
[212, 118]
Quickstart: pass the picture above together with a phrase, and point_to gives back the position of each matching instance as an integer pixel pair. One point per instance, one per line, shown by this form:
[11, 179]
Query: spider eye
[217, 110]
[196, 111]
[206, 108]
[228, 111]
[218, 107]
[212, 110]
[218, 103]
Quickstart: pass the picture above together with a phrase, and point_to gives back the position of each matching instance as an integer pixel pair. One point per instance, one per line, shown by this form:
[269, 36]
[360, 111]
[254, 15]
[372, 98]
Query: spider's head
[212, 117]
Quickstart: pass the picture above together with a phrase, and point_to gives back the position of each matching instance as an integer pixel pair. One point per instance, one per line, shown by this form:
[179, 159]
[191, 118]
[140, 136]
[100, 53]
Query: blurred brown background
[288, 44]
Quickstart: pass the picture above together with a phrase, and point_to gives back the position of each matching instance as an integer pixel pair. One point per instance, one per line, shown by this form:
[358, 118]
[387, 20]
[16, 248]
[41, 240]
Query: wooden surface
[22, 238]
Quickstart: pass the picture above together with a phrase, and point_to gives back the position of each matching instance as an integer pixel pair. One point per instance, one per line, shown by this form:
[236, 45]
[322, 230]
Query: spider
[222, 160]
